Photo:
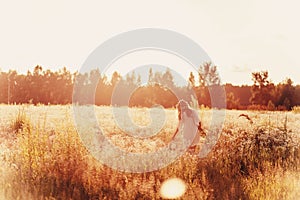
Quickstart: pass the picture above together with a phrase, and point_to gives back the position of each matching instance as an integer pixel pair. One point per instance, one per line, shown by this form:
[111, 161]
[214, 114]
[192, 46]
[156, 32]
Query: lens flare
[172, 188]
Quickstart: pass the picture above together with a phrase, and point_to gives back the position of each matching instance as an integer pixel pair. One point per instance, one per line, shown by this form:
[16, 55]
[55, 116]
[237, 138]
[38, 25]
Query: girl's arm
[177, 130]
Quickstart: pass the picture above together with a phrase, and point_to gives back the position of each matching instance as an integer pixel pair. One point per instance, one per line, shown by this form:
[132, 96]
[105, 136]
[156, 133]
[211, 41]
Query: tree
[232, 101]
[150, 77]
[286, 94]
[139, 80]
[116, 77]
[11, 77]
[131, 79]
[262, 90]
[208, 75]
[209, 82]
[192, 80]
[296, 99]
[3, 87]
[167, 79]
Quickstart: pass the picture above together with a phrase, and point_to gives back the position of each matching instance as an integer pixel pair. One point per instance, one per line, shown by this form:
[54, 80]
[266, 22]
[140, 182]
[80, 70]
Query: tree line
[42, 86]
[263, 94]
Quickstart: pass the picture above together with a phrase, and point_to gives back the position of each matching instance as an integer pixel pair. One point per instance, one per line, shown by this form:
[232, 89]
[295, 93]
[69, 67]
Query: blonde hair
[183, 106]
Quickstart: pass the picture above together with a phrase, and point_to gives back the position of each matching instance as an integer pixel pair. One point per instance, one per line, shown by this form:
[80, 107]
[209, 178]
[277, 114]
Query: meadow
[42, 156]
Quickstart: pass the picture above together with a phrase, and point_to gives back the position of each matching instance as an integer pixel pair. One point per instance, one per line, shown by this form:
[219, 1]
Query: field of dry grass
[43, 157]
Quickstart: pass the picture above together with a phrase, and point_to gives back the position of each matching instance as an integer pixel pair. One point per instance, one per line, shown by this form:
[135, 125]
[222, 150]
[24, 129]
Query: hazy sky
[239, 36]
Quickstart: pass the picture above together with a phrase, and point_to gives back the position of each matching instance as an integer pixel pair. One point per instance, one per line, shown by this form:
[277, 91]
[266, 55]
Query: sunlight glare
[172, 188]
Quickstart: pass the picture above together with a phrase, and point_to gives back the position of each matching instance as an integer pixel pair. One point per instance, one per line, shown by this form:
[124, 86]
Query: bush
[259, 150]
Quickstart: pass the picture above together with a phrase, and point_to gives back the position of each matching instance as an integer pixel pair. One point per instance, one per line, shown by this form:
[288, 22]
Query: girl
[190, 123]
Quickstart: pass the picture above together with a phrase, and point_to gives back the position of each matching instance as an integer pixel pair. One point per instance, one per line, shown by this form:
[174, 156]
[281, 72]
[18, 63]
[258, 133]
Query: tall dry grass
[48, 160]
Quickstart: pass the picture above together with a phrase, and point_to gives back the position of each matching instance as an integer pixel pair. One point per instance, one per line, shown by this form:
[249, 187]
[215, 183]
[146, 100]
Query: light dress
[189, 126]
